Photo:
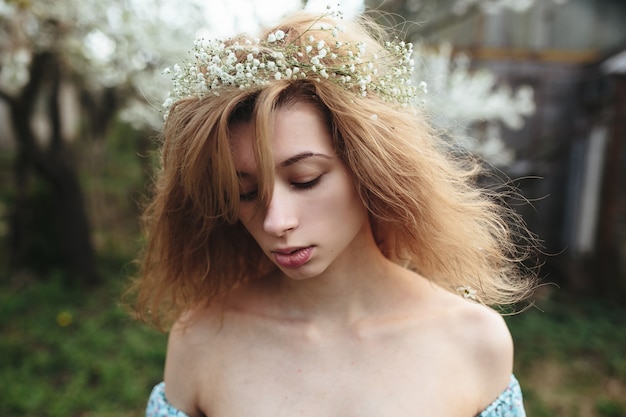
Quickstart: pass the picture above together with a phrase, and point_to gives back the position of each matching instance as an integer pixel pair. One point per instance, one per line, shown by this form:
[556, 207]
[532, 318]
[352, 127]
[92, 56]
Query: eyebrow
[299, 157]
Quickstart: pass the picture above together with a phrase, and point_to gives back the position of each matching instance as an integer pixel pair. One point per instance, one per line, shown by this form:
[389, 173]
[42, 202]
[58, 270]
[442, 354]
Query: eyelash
[251, 195]
[308, 184]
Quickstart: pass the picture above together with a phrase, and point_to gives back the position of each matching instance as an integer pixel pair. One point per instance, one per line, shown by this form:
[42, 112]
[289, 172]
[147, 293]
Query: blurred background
[536, 88]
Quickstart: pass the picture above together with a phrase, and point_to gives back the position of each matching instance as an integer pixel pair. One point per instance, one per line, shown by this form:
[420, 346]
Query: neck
[354, 287]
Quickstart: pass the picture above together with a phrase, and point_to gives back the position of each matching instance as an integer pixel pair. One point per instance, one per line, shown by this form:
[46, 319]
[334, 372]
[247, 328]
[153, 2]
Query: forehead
[293, 130]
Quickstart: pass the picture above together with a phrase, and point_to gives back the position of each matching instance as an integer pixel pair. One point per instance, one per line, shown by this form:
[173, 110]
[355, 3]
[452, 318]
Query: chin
[302, 273]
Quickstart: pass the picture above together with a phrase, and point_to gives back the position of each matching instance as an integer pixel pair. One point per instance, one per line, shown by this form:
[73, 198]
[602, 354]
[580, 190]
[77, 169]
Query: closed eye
[307, 184]
[249, 196]
[253, 194]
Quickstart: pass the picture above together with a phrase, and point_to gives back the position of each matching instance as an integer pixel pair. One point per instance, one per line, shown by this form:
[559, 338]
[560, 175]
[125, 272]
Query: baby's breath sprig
[248, 63]
[467, 292]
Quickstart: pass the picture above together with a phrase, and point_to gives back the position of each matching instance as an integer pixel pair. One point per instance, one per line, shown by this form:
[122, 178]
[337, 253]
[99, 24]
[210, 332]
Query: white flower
[271, 38]
[168, 103]
[279, 34]
[467, 292]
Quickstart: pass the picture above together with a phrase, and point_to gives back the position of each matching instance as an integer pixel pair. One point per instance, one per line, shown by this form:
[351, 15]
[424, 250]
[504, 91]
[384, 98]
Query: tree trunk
[68, 234]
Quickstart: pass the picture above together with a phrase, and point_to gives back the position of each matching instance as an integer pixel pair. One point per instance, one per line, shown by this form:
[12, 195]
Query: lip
[292, 257]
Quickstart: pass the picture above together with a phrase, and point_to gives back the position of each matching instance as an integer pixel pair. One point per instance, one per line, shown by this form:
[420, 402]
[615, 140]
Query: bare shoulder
[485, 346]
[189, 340]
[478, 333]
[489, 339]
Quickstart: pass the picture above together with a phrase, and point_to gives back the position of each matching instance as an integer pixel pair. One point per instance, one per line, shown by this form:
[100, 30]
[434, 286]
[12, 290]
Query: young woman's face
[315, 221]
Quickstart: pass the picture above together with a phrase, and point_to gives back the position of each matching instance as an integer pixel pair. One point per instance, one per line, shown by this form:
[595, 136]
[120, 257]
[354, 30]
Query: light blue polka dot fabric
[508, 404]
[158, 405]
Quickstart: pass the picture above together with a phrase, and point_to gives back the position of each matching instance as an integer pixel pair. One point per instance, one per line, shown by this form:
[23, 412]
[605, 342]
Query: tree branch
[6, 97]
[54, 104]
[445, 22]
[424, 13]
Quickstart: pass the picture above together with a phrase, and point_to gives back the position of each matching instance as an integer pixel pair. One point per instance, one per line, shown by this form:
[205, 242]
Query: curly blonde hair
[425, 208]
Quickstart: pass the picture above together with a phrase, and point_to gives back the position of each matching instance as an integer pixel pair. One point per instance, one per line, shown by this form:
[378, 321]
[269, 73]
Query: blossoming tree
[459, 97]
[101, 50]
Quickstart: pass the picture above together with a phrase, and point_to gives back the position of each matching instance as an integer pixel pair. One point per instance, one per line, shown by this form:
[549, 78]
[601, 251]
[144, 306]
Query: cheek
[346, 197]
[342, 205]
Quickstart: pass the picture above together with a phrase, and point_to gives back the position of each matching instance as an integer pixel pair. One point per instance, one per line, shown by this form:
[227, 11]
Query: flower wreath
[246, 63]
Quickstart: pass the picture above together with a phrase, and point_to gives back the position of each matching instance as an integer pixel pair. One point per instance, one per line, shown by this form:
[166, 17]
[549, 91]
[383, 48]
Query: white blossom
[461, 98]
[467, 292]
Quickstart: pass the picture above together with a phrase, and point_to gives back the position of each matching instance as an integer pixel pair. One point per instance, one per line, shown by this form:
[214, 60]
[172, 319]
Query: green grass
[571, 358]
[70, 353]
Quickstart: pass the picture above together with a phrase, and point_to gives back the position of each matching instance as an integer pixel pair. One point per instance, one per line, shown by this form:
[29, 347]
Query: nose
[280, 214]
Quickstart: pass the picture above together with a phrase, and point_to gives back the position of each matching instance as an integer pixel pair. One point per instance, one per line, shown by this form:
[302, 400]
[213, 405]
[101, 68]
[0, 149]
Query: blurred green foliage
[570, 356]
[70, 350]
[65, 353]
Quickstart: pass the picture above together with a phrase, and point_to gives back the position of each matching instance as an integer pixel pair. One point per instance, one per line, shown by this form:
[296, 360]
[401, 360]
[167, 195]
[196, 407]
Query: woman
[313, 247]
